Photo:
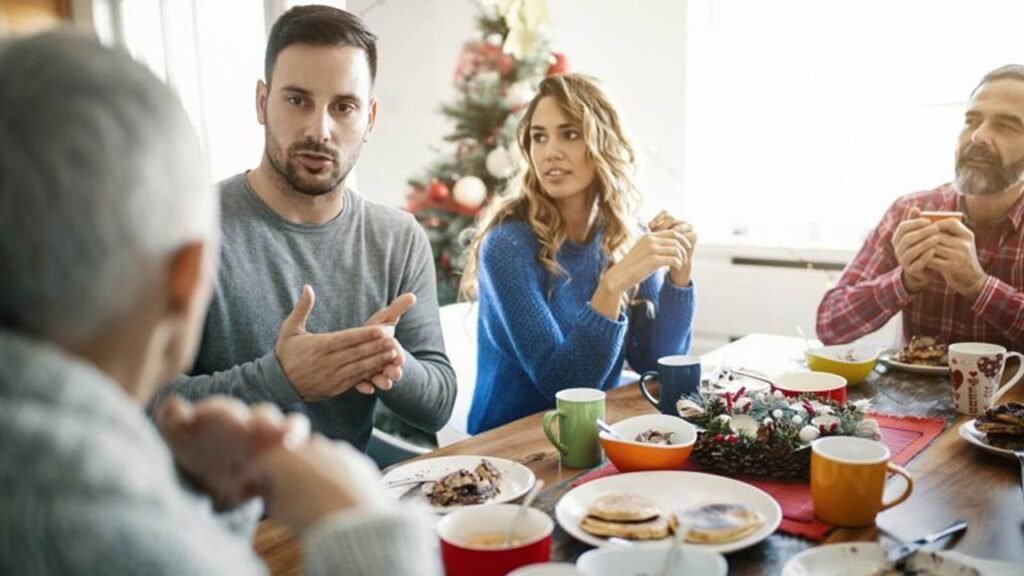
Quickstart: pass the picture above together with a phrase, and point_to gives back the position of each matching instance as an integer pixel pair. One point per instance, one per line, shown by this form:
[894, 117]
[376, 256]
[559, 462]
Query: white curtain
[211, 53]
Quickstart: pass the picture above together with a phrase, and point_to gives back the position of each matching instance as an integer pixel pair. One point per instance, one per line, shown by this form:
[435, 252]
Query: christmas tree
[496, 76]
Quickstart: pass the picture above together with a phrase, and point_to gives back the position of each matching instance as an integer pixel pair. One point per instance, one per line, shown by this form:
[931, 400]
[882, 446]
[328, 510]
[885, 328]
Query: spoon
[677, 543]
[606, 428]
[522, 510]
[807, 342]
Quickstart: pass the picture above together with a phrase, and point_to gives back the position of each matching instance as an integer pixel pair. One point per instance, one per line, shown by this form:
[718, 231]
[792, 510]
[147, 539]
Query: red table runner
[906, 437]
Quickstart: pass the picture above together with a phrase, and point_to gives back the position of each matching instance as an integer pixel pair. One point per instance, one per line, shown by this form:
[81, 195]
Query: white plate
[720, 382]
[671, 491]
[516, 479]
[974, 436]
[888, 360]
[866, 558]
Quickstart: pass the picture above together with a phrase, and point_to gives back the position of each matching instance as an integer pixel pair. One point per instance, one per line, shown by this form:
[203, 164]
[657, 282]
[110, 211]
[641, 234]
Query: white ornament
[519, 95]
[742, 405]
[778, 394]
[500, 163]
[724, 417]
[809, 434]
[767, 421]
[798, 419]
[825, 421]
[495, 39]
[470, 191]
[744, 425]
[777, 414]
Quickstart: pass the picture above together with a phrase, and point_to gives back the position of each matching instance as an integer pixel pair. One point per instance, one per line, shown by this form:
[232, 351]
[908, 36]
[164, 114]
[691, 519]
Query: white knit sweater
[87, 486]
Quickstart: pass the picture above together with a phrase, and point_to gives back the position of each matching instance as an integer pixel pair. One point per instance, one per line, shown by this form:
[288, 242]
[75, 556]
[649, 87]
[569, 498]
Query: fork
[1020, 457]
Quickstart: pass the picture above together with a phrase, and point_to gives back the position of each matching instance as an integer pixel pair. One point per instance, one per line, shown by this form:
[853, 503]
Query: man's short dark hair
[1010, 71]
[319, 26]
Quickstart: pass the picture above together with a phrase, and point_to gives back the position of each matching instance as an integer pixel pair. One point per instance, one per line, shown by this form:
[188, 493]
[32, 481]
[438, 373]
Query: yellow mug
[848, 480]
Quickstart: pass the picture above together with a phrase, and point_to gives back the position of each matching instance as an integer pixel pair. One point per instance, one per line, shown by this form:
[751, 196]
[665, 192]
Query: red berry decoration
[438, 191]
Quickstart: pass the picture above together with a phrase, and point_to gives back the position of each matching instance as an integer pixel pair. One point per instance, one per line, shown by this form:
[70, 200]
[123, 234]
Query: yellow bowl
[851, 361]
[628, 455]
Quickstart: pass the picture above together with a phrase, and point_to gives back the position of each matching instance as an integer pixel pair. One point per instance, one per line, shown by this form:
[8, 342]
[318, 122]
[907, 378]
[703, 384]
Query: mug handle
[643, 387]
[1009, 384]
[906, 492]
[546, 424]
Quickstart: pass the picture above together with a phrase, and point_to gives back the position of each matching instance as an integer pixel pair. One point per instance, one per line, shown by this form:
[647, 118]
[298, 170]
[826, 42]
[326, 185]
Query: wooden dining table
[952, 478]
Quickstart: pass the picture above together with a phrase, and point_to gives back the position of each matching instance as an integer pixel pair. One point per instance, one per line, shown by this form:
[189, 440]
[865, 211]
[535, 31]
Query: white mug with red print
[976, 369]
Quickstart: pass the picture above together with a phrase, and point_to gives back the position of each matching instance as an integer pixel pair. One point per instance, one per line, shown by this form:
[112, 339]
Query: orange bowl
[628, 455]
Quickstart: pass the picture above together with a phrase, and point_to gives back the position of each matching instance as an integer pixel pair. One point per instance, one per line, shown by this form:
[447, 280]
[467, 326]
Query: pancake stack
[720, 523]
[1003, 425]
[625, 515]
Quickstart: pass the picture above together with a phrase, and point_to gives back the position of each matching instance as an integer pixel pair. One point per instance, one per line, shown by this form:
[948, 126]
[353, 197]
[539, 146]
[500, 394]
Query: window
[806, 119]
[211, 53]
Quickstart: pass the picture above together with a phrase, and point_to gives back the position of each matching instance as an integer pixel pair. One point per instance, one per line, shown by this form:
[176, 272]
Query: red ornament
[560, 65]
[438, 191]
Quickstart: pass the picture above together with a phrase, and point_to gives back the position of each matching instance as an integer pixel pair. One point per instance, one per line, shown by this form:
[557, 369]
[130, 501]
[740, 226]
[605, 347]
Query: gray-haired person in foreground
[108, 246]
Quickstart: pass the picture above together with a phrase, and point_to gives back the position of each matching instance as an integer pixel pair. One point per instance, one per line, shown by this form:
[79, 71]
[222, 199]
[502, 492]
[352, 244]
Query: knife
[898, 556]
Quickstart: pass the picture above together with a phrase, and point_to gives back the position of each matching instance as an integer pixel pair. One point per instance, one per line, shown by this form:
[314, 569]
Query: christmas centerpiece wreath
[768, 435]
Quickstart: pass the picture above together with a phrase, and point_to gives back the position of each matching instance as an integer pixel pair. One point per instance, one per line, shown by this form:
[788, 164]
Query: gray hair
[1009, 71]
[101, 179]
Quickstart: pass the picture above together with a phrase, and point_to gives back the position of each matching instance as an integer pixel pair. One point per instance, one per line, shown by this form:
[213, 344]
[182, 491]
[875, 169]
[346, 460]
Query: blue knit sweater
[532, 345]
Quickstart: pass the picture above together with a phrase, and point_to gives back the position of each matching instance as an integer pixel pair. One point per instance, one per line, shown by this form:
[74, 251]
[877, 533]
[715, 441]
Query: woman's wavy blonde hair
[615, 196]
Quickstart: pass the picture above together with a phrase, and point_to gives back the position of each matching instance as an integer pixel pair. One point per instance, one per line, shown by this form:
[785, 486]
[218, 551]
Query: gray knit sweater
[357, 263]
[87, 486]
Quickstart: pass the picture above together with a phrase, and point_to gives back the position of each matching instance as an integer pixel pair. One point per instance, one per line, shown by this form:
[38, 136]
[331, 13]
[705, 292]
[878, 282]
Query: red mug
[821, 384]
[468, 537]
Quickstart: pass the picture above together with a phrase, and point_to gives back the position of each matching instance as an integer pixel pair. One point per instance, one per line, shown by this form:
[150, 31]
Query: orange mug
[848, 480]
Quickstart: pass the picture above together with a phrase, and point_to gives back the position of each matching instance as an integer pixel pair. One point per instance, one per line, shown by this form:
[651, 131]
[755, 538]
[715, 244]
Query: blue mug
[679, 377]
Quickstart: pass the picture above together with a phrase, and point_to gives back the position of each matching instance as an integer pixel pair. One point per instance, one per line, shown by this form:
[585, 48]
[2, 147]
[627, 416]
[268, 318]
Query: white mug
[976, 369]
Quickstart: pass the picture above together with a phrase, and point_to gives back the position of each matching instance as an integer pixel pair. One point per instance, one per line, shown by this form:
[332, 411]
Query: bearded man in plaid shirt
[954, 281]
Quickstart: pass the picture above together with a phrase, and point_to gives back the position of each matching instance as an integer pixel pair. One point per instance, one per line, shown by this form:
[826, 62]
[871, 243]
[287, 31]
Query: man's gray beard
[971, 182]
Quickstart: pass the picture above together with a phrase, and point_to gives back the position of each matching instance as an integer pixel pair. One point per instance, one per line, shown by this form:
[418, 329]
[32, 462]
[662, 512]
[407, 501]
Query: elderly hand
[680, 275]
[914, 243]
[212, 441]
[957, 259]
[322, 366]
[391, 314]
[303, 483]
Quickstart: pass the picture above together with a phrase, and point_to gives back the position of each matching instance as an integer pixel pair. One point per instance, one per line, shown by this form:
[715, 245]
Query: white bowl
[548, 569]
[635, 561]
[865, 559]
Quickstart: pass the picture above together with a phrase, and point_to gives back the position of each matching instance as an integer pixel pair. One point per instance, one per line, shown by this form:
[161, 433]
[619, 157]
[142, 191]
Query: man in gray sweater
[292, 225]
[108, 243]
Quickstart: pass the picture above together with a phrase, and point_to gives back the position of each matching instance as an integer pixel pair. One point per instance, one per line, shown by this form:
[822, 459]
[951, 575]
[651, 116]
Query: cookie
[719, 523]
[623, 507]
[655, 529]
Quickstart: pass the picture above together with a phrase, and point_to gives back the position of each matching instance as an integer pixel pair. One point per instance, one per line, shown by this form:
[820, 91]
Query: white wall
[635, 48]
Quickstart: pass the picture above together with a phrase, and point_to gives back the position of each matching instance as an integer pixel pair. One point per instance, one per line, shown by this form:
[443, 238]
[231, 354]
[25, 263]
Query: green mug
[577, 411]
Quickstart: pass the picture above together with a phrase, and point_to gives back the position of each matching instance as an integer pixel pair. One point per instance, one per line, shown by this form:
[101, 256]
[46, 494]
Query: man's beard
[285, 163]
[991, 177]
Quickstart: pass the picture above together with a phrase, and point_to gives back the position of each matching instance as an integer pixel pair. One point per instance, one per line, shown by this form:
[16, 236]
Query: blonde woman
[567, 288]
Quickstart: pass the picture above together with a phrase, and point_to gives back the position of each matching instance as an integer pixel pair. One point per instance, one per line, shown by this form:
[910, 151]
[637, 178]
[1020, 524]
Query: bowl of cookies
[851, 361]
[649, 442]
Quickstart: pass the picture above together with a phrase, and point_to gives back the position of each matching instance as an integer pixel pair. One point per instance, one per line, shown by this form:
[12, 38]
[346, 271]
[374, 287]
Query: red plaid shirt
[871, 289]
